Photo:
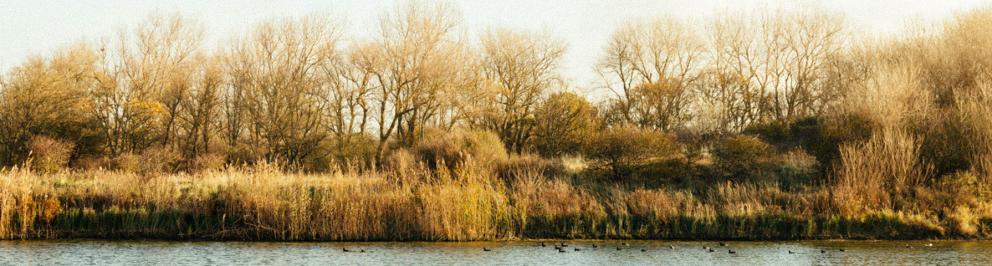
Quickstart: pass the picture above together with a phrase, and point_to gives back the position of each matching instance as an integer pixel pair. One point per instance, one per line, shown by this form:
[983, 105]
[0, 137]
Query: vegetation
[783, 125]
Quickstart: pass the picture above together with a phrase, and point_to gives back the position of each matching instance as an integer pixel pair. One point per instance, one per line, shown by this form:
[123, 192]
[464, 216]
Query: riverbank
[262, 203]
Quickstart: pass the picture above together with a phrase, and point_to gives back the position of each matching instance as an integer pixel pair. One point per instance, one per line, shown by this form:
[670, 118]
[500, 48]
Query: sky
[38, 27]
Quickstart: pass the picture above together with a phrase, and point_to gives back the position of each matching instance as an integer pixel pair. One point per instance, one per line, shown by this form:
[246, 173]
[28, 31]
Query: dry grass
[263, 203]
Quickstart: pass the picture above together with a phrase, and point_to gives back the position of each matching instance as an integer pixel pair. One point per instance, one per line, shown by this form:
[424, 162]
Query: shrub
[158, 160]
[450, 149]
[742, 157]
[822, 137]
[207, 162]
[565, 123]
[796, 168]
[775, 132]
[352, 151]
[621, 149]
[523, 165]
[49, 155]
[126, 162]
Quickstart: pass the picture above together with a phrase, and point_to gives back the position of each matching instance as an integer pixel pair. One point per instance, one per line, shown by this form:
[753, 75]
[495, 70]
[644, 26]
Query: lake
[99, 252]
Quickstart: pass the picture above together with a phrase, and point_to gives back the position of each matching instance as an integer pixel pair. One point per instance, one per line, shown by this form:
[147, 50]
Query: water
[96, 252]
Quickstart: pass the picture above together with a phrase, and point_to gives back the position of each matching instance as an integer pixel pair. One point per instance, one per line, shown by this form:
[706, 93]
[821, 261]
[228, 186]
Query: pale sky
[41, 26]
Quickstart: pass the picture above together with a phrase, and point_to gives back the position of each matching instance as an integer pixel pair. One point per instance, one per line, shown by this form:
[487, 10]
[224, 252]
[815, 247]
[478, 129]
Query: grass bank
[261, 203]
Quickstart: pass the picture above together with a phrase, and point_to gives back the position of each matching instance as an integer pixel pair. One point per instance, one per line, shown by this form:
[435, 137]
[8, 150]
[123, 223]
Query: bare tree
[414, 67]
[200, 108]
[522, 68]
[136, 100]
[653, 67]
[772, 68]
[278, 83]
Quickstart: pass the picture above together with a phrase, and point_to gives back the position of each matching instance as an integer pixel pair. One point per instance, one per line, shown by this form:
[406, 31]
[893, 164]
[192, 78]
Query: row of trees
[290, 90]
[294, 91]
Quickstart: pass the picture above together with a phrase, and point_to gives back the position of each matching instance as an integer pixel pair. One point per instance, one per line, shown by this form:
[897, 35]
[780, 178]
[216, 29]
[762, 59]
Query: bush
[775, 132]
[126, 162]
[523, 165]
[207, 162]
[565, 123]
[822, 137]
[49, 155]
[622, 149]
[796, 168]
[742, 157]
[158, 160]
[450, 149]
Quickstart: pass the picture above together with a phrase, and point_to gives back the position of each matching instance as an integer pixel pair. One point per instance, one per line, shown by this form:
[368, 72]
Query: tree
[136, 98]
[653, 67]
[415, 69]
[522, 68]
[565, 122]
[46, 97]
[279, 88]
[771, 69]
[200, 107]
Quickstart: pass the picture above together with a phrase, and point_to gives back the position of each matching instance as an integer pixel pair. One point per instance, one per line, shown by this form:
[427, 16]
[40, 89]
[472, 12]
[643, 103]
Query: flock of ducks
[562, 248]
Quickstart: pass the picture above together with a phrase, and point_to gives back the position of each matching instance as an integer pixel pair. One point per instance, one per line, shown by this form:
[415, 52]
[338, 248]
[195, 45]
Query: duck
[543, 245]
[731, 251]
[561, 251]
[345, 250]
[563, 244]
[595, 246]
[577, 249]
[644, 250]
[928, 245]
[361, 250]
[791, 252]
[618, 248]
[723, 244]
[842, 250]
[671, 247]
[486, 249]
[710, 250]
[823, 251]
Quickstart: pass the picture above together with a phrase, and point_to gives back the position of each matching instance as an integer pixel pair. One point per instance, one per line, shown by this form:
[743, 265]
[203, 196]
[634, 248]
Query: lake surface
[99, 252]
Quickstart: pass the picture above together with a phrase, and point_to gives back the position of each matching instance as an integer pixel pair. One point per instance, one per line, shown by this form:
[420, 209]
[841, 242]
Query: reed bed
[261, 203]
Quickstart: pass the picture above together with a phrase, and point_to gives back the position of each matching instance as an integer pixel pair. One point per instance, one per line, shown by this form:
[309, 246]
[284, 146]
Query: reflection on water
[503, 253]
